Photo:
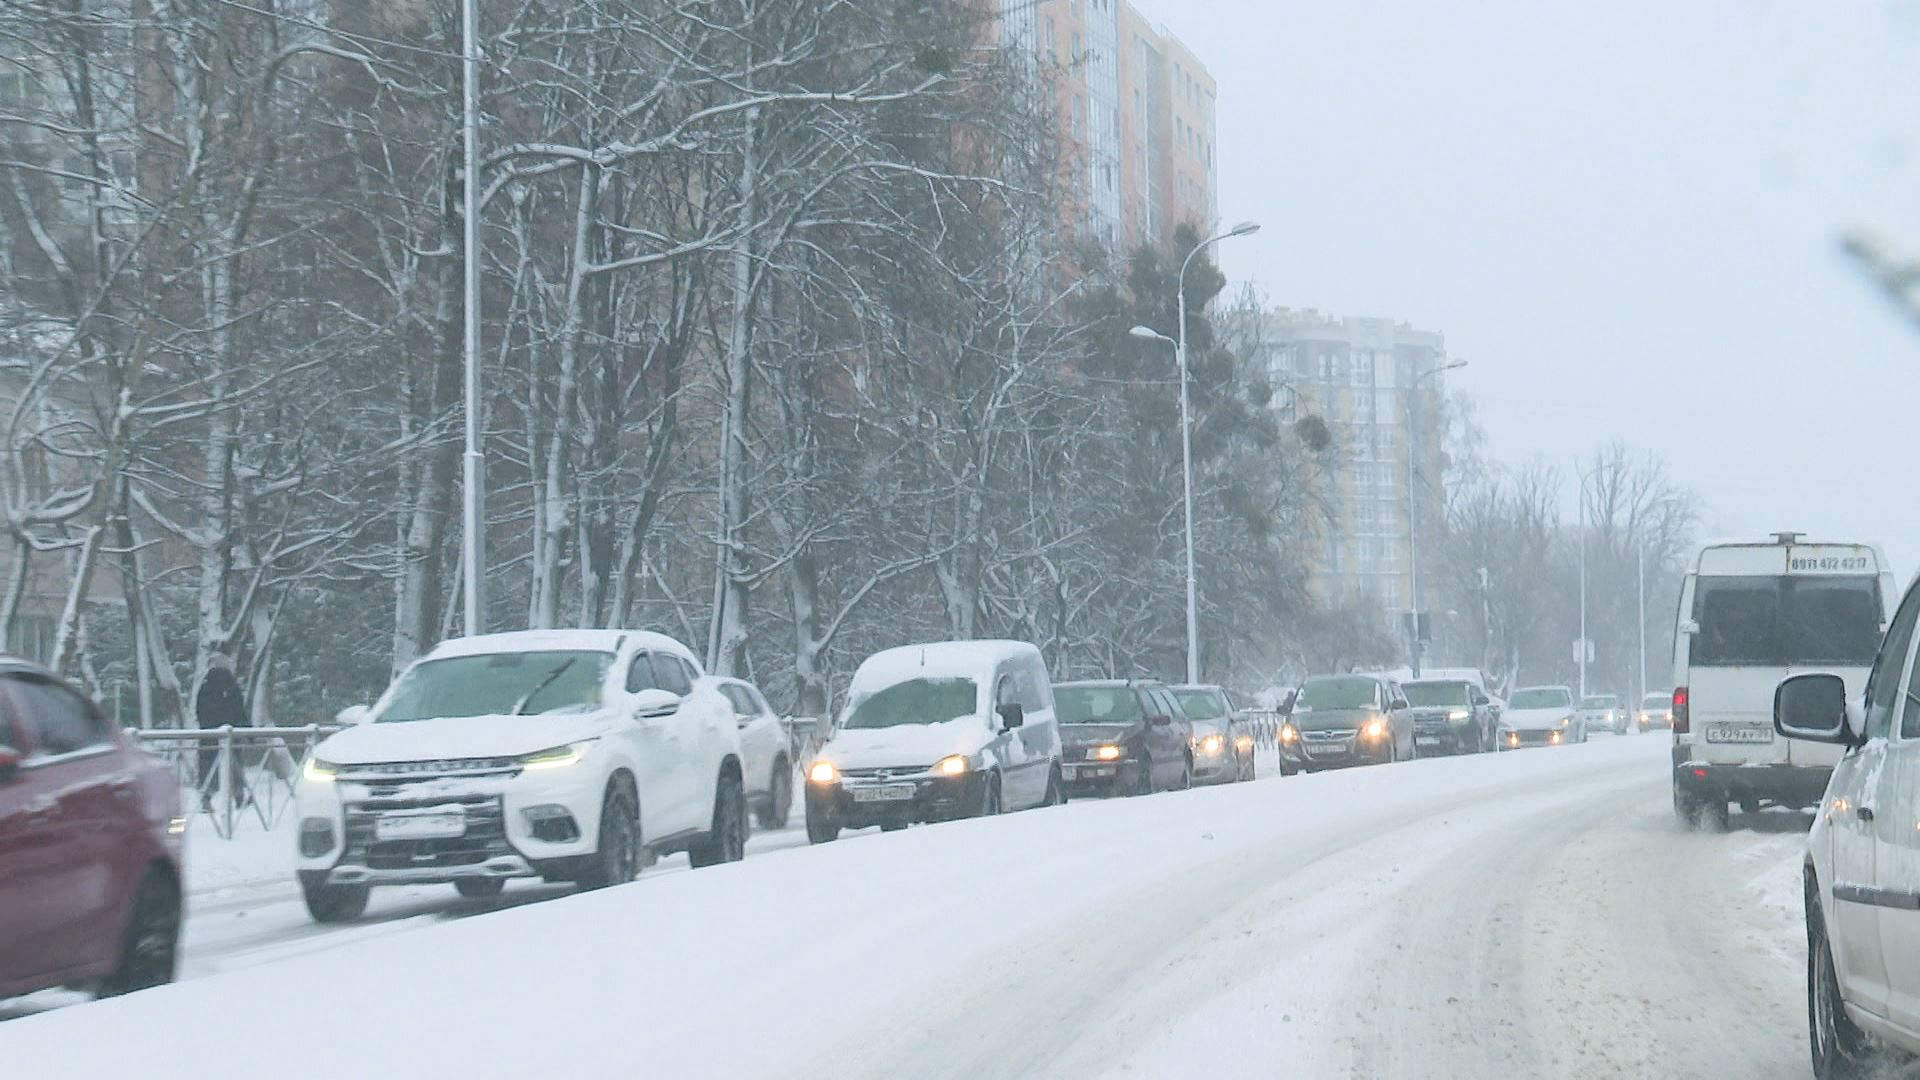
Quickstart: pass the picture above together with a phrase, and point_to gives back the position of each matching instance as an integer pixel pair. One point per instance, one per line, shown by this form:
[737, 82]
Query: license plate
[1426, 740]
[1324, 751]
[421, 826]
[884, 793]
[1728, 733]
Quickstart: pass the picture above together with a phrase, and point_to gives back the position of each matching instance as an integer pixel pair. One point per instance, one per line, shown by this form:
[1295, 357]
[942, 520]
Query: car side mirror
[1814, 708]
[1160, 721]
[10, 760]
[1013, 716]
[353, 715]
[650, 704]
[1688, 628]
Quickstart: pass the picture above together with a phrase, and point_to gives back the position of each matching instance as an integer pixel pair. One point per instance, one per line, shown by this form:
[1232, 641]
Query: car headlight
[823, 772]
[1565, 720]
[559, 757]
[1109, 753]
[956, 765]
[1212, 744]
[320, 772]
[1289, 734]
[1554, 738]
[1458, 715]
[1375, 728]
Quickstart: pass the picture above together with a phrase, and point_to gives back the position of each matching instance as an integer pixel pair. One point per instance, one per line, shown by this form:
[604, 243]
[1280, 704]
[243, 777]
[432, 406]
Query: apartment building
[1136, 116]
[1378, 386]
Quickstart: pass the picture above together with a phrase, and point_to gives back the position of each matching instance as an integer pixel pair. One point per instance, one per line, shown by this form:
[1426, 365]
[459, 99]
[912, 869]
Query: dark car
[1340, 720]
[89, 845]
[1124, 737]
[1222, 744]
[1450, 716]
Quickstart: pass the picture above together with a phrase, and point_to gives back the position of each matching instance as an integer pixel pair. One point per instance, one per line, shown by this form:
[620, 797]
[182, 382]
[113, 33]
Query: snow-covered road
[1533, 914]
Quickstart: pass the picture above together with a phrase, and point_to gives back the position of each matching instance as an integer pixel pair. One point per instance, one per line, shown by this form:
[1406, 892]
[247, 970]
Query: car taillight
[1680, 710]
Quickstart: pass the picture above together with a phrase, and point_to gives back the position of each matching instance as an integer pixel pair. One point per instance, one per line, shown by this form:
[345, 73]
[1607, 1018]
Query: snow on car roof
[559, 641]
[941, 659]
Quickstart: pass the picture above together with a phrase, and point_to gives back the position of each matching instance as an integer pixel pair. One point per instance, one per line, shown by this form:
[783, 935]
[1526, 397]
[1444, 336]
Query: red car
[90, 831]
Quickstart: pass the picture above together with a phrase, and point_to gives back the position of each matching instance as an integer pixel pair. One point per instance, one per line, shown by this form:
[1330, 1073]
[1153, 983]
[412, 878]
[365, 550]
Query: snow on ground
[1529, 914]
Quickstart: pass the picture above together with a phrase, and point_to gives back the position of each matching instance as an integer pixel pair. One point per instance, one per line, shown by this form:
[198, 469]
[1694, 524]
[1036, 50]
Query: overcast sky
[1624, 214]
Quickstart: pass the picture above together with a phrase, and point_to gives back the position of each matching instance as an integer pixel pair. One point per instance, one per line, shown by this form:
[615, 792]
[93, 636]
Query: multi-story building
[1135, 110]
[1374, 383]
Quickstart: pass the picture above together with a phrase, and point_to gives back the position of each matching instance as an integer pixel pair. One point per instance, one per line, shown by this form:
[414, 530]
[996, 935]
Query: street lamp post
[1186, 436]
[1582, 648]
[473, 519]
[1413, 507]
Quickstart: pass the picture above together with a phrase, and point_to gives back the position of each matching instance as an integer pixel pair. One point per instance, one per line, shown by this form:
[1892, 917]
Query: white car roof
[939, 659]
[523, 641]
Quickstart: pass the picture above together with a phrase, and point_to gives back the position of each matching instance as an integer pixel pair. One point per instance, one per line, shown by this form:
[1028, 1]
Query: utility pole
[1413, 509]
[1643, 619]
[473, 516]
[1583, 648]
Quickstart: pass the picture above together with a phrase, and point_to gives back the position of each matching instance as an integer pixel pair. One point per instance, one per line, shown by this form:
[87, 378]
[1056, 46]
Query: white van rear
[1751, 615]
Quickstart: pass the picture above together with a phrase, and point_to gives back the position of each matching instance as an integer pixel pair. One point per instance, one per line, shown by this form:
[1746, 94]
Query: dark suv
[1123, 736]
[89, 845]
[1450, 716]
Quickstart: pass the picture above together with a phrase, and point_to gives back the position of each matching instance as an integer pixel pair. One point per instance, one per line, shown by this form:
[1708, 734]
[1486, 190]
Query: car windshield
[1541, 698]
[915, 701]
[1785, 621]
[1097, 704]
[1338, 693]
[1657, 701]
[1201, 704]
[1435, 694]
[498, 684]
[1599, 702]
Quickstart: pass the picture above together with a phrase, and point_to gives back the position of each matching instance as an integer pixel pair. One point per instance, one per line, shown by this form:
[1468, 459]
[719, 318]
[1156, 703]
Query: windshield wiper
[519, 707]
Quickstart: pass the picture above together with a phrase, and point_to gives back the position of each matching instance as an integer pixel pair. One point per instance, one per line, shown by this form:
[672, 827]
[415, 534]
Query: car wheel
[616, 860]
[150, 952]
[1186, 774]
[333, 903]
[480, 888]
[1716, 815]
[990, 803]
[1251, 770]
[1144, 786]
[1686, 808]
[727, 842]
[1841, 1051]
[821, 831]
[779, 796]
[1054, 796]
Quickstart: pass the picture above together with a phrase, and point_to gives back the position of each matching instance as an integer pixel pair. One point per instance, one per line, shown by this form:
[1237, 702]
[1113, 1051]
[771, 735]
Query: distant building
[1136, 116]
[1357, 374]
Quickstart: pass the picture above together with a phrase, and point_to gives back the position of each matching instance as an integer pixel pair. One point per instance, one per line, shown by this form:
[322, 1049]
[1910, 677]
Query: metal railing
[227, 774]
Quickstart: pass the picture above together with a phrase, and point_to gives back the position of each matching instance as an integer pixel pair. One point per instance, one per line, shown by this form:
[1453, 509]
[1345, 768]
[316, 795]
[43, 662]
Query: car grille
[1327, 742]
[392, 772]
[902, 772]
[486, 835]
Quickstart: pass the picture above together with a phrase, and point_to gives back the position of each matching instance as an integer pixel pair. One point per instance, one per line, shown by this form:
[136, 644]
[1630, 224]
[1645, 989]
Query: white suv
[1862, 871]
[571, 755]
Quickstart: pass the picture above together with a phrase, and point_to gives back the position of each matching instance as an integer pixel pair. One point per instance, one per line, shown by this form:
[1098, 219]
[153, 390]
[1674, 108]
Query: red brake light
[1680, 710]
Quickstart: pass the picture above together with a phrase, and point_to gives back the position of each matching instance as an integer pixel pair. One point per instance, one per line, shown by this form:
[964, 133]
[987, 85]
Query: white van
[936, 732]
[1750, 616]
